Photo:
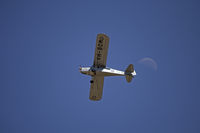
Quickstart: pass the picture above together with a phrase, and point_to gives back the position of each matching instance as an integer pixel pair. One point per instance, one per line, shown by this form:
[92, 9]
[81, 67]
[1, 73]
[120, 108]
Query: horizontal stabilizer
[128, 73]
[129, 69]
[129, 78]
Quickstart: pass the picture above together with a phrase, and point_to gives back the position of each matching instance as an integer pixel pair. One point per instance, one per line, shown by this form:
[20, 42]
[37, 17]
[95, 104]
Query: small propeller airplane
[99, 70]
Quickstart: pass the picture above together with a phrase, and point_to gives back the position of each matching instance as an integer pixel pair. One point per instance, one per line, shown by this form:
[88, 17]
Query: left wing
[101, 51]
[96, 88]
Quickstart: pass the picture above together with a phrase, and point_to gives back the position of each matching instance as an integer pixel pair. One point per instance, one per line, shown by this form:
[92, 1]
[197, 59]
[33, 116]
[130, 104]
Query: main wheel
[91, 81]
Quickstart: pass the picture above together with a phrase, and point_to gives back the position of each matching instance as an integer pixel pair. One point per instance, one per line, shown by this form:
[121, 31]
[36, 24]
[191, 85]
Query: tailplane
[128, 73]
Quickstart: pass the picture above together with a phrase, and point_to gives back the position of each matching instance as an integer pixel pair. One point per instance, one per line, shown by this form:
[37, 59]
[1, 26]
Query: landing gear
[91, 81]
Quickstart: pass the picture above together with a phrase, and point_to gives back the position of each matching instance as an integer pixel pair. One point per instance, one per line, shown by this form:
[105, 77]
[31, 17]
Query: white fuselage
[92, 71]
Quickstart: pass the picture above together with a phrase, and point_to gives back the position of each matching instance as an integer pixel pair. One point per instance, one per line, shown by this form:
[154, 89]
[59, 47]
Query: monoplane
[99, 70]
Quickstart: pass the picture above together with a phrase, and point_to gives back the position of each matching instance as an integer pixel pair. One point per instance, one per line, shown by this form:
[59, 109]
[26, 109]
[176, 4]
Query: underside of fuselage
[101, 71]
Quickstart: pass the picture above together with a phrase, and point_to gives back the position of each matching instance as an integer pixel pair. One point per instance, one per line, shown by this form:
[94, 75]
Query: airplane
[99, 70]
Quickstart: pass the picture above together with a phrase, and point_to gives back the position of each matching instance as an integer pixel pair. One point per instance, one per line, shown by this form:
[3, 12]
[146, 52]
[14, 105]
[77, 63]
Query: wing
[96, 88]
[101, 51]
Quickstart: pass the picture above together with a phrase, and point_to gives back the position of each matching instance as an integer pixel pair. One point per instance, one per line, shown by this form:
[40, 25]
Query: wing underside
[96, 88]
[101, 51]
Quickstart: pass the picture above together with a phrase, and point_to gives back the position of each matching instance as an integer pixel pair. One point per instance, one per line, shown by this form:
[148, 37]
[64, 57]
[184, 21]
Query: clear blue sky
[42, 44]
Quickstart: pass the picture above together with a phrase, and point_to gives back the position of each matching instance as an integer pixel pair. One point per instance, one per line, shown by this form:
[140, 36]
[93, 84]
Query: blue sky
[42, 44]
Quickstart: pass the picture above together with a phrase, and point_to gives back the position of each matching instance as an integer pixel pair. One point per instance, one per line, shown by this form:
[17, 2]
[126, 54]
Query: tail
[129, 73]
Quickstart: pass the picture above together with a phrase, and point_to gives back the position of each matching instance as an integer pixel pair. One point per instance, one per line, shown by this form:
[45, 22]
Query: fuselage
[92, 71]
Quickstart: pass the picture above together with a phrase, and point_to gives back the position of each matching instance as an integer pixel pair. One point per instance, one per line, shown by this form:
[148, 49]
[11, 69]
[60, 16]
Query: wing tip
[95, 98]
[103, 34]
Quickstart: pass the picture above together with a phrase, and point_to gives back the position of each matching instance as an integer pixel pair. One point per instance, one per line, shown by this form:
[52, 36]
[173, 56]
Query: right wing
[96, 88]
[101, 51]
